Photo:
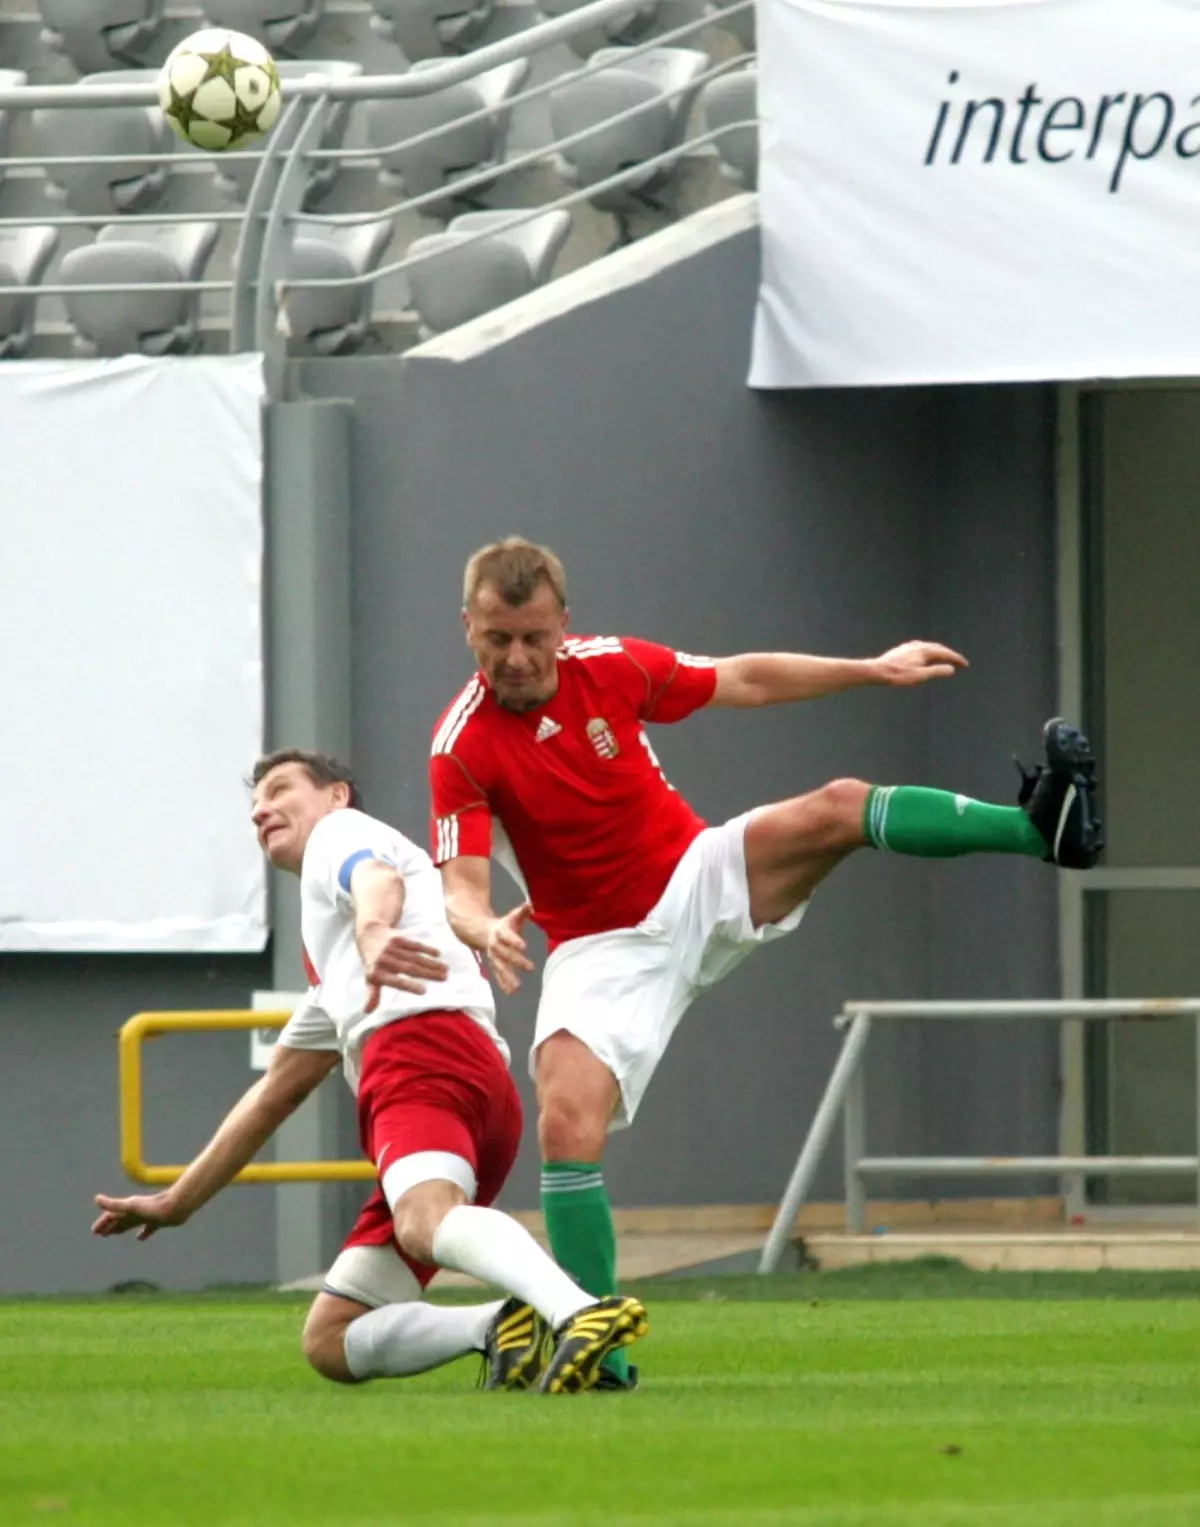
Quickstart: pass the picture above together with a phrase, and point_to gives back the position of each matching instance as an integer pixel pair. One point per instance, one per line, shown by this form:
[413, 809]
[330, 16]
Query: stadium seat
[156, 323]
[461, 149]
[96, 34]
[323, 173]
[10, 79]
[129, 184]
[284, 25]
[24, 255]
[466, 280]
[333, 320]
[625, 28]
[740, 25]
[431, 28]
[664, 80]
[728, 99]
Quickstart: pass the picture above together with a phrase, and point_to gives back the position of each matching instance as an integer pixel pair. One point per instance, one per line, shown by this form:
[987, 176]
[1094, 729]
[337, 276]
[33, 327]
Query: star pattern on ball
[243, 120]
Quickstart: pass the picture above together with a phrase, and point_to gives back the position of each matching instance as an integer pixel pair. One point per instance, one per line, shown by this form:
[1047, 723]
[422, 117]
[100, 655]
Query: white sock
[494, 1248]
[398, 1339]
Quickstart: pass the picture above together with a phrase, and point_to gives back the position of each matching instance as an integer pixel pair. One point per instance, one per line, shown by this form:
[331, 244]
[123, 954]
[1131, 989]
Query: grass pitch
[834, 1401]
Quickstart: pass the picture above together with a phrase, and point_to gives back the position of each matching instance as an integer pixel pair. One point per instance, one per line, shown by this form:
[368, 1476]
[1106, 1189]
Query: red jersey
[568, 795]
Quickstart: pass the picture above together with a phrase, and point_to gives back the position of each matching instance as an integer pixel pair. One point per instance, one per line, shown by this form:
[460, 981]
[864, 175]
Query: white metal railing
[845, 1092]
[259, 283]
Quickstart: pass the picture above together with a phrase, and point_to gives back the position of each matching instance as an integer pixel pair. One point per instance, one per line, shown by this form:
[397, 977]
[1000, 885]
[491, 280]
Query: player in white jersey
[406, 1008]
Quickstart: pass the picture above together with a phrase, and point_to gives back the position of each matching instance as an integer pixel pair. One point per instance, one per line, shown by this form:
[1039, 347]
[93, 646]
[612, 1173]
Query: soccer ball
[219, 89]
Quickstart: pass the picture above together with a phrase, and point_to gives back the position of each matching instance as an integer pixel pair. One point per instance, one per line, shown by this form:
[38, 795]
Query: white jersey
[331, 1016]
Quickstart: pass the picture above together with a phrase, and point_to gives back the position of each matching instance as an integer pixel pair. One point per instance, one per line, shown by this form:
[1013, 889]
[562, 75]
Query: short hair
[321, 768]
[514, 567]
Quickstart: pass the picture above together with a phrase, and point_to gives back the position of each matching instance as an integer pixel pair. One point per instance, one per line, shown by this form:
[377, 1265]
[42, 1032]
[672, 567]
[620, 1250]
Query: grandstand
[630, 124]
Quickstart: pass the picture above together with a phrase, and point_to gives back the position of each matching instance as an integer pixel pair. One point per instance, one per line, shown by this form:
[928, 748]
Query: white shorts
[622, 993]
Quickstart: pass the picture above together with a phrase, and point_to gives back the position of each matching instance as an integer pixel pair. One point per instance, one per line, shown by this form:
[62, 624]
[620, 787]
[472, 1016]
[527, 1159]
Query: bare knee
[570, 1131]
[419, 1212]
[831, 818]
[324, 1338]
[576, 1097]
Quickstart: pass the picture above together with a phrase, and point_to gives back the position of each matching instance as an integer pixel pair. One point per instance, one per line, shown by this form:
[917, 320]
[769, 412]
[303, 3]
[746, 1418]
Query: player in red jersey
[543, 762]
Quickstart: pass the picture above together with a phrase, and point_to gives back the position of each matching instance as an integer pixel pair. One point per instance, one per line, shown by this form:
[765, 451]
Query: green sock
[580, 1226]
[934, 824]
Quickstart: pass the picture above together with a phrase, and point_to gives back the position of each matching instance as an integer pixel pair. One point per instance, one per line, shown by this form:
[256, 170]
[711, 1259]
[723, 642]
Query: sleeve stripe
[447, 838]
[457, 717]
[453, 714]
[687, 660]
[593, 646]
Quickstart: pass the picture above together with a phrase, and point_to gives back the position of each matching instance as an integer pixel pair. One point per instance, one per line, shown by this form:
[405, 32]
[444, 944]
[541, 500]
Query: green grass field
[871, 1400]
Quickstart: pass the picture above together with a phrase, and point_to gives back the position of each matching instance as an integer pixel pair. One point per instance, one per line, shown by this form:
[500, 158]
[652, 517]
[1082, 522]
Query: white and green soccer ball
[220, 89]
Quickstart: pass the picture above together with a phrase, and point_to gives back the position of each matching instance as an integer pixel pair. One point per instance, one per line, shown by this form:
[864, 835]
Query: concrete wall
[58, 1119]
[613, 422]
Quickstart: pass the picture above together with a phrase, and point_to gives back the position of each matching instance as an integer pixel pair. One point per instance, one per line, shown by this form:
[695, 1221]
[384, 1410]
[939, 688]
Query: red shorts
[434, 1082]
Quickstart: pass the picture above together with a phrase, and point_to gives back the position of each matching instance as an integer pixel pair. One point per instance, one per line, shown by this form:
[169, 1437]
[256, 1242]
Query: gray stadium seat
[323, 173]
[95, 34]
[466, 280]
[24, 255]
[459, 150]
[156, 323]
[333, 320]
[623, 29]
[431, 28]
[10, 79]
[734, 98]
[662, 76]
[284, 25]
[740, 26]
[128, 185]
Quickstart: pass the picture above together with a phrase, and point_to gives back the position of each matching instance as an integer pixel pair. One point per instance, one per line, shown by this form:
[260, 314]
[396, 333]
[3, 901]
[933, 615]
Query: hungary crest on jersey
[602, 739]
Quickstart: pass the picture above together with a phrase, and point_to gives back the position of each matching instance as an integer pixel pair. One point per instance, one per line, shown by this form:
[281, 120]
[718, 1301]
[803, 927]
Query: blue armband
[347, 868]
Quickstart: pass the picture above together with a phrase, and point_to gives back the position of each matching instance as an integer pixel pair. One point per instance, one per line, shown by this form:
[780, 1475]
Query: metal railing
[143, 1026]
[845, 1093]
[259, 282]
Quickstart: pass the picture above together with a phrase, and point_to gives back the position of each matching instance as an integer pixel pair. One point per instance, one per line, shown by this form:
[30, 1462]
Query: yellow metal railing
[144, 1026]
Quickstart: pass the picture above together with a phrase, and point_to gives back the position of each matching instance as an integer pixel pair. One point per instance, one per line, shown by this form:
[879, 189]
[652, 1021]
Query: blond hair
[514, 567]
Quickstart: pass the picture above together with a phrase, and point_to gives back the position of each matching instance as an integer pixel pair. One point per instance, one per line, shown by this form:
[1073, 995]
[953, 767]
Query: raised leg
[792, 845]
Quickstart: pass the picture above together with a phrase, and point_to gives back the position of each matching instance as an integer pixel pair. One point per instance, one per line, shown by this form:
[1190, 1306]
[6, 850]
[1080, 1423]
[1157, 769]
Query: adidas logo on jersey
[546, 728]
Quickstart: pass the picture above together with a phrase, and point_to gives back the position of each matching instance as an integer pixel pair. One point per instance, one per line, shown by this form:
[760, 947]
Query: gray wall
[59, 1015]
[695, 512]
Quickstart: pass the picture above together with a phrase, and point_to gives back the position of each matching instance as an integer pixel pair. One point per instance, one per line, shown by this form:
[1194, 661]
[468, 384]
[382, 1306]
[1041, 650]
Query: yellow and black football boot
[584, 1341]
[516, 1347]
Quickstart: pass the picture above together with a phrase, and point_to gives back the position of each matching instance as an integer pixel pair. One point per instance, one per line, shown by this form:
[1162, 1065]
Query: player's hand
[390, 959]
[505, 948]
[917, 663]
[145, 1214]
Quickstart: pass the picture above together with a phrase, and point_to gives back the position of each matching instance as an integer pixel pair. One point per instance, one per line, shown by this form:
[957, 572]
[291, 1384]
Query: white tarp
[978, 190]
[130, 624]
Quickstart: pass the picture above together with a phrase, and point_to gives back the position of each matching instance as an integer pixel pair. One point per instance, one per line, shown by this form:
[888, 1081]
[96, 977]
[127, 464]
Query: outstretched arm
[777, 678]
[250, 1123]
[467, 882]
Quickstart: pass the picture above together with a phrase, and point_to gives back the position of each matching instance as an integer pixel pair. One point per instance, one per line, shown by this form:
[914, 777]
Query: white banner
[978, 190]
[130, 623]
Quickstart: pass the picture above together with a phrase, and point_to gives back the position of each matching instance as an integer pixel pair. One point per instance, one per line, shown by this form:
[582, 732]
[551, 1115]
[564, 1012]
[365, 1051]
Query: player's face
[286, 806]
[516, 646]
